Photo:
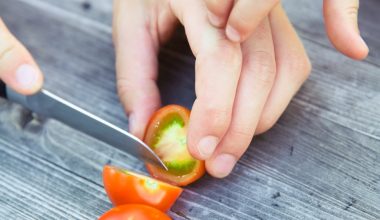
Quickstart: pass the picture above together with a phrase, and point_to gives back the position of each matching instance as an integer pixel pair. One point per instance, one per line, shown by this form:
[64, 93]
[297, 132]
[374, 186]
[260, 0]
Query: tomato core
[169, 143]
[166, 134]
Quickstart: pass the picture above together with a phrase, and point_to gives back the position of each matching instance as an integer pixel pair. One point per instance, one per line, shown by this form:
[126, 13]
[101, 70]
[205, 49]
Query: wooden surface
[320, 161]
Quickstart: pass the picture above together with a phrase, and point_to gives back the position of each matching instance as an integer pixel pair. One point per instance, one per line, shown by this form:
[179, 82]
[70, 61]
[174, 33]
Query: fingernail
[215, 20]
[223, 165]
[26, 76]
[232, 34]
[206, 146]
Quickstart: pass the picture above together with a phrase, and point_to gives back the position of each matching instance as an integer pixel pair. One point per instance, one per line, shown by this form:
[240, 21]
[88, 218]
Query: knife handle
[3, 89]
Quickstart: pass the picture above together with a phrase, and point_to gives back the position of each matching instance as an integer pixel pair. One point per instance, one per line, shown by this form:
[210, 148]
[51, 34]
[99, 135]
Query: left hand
[18, 69]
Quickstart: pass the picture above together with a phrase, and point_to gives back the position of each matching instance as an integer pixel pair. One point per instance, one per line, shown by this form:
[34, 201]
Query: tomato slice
[166, 135]
[134, 212]
[125, 187]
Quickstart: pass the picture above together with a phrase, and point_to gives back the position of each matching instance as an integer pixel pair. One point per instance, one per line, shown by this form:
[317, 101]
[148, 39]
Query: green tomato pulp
[171, 146]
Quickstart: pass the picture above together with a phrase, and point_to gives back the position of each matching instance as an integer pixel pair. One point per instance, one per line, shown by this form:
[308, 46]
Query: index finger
[218, 64]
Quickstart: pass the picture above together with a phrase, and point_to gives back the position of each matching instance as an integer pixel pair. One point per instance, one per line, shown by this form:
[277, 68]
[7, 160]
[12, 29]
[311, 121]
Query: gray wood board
[320, 161]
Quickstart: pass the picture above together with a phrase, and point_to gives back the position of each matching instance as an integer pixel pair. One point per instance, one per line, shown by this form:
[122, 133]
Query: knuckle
[226, 50]
[266, 122]
[229, 54]
[263, 67]
[218, 117]
[123, 89]
[241, 131]
[298, 68]
[123, 85]
[304, 67]
[352, 10]
[222, 53]
[7, 42]
[6, 48]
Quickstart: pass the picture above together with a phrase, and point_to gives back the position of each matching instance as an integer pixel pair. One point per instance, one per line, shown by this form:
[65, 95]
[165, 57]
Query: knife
[50, 105]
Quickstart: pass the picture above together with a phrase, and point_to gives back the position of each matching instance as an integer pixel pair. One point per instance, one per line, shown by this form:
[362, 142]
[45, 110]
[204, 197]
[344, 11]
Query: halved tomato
[166, 135]
[134, 212]
[125, 187]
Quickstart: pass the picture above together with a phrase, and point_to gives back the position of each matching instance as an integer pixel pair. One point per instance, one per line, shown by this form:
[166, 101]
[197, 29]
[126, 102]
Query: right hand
[241, 88]
[17, 67]
[243, 84]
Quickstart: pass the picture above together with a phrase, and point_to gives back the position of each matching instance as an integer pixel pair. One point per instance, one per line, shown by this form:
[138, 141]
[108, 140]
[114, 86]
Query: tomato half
[125, 187]
[166, 135]
[134, 212]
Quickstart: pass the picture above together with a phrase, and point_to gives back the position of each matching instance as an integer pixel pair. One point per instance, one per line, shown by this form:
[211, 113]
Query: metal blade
[50, 105]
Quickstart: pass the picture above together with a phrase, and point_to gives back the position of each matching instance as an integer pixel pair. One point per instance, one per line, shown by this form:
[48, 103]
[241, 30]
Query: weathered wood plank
[321, 161]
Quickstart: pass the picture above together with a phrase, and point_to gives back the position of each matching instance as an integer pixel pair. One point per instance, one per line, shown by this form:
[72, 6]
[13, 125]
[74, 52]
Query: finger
[293, 68]
[218, 11]
[255, 83]
[17, 67]
[136, 42]
[341, 18]
[245, 16]
[218, 63]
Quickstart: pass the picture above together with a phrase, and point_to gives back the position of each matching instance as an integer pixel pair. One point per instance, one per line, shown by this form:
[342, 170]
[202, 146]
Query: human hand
[241, 88]
[17, 67]
[241, 18]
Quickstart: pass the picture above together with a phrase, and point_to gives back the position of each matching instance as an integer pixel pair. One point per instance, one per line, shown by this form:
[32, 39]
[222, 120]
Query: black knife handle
[3, 89]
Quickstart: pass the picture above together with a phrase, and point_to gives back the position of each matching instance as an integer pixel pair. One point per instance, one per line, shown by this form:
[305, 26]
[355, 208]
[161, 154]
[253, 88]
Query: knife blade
[50, 105]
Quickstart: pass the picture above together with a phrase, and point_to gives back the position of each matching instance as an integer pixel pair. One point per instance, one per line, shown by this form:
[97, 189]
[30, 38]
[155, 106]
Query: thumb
[17, 67]
[341, 18]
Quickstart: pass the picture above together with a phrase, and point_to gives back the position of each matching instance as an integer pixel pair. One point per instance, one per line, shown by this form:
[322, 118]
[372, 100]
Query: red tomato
[166, 134]
[125, 187]
[134, 212]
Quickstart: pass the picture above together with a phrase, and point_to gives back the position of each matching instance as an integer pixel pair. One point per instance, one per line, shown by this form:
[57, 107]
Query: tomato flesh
[170, 146]
[166, 135]
[134, 212]
[125, 187]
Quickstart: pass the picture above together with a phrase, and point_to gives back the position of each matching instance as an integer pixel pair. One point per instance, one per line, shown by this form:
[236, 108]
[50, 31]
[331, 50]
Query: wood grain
[320, 161]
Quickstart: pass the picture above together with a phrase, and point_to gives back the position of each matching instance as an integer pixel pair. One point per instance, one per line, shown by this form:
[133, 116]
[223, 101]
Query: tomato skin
[125, 187]
[134, 212]
[184, 180]
[158, 118]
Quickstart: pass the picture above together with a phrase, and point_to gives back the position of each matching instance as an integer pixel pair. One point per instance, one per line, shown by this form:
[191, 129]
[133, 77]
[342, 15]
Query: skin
[14, 61]
[238, 56]
[266, 61]
[241, 18]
